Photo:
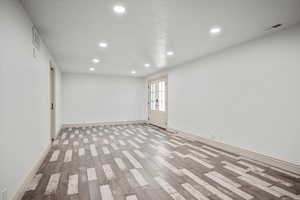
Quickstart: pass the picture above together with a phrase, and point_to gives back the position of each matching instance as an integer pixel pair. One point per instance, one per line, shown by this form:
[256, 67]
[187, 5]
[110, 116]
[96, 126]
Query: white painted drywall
[246, 96]
[91, 98]
[24, 97]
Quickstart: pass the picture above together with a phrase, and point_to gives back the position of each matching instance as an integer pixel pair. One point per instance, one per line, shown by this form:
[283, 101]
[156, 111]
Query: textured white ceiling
[72, 30]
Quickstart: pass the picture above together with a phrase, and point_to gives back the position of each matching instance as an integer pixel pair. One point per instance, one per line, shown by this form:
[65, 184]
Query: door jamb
[52, 100]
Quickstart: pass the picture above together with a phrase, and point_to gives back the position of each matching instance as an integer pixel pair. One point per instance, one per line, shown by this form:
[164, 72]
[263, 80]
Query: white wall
[247, 96]
[24, 97]
[94, 98]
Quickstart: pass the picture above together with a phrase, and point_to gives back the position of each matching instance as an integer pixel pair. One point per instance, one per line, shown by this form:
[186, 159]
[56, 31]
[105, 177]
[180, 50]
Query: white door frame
[163, 121]
[52, 99]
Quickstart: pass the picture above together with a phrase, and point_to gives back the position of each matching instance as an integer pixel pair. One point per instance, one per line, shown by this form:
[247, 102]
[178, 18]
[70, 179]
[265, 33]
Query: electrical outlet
[4, 194]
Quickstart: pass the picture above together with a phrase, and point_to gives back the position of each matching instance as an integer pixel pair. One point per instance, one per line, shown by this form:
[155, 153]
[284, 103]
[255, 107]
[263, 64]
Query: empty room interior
[149, 100]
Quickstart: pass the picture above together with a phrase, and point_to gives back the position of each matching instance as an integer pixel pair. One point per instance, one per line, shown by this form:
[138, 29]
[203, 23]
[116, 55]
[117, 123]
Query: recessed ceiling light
[92, 69]
[103, 44]
[215, 30]
[170, 53]
[133, 71]
[95, 60]
[119, 9]
[147, 65]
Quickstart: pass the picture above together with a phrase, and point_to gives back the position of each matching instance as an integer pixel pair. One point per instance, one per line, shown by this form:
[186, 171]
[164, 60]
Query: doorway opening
[158, 102]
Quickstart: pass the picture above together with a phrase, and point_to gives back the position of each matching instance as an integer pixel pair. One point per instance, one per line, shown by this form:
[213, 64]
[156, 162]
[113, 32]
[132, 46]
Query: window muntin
[162, 96]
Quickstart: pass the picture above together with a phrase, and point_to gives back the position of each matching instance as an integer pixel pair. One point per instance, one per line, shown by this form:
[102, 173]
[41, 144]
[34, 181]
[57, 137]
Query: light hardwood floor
[142, 162]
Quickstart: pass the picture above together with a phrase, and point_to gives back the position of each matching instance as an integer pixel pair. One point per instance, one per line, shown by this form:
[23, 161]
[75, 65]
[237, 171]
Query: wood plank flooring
[138, 161]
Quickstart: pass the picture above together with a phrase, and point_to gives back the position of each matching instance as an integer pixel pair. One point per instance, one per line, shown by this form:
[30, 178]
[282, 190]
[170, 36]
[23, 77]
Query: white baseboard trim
[157, 125]
[287, 166]
[103, 123]
[21, 189]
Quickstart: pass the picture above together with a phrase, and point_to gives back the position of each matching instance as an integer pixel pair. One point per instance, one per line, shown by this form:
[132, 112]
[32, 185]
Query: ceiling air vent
[276, 25]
